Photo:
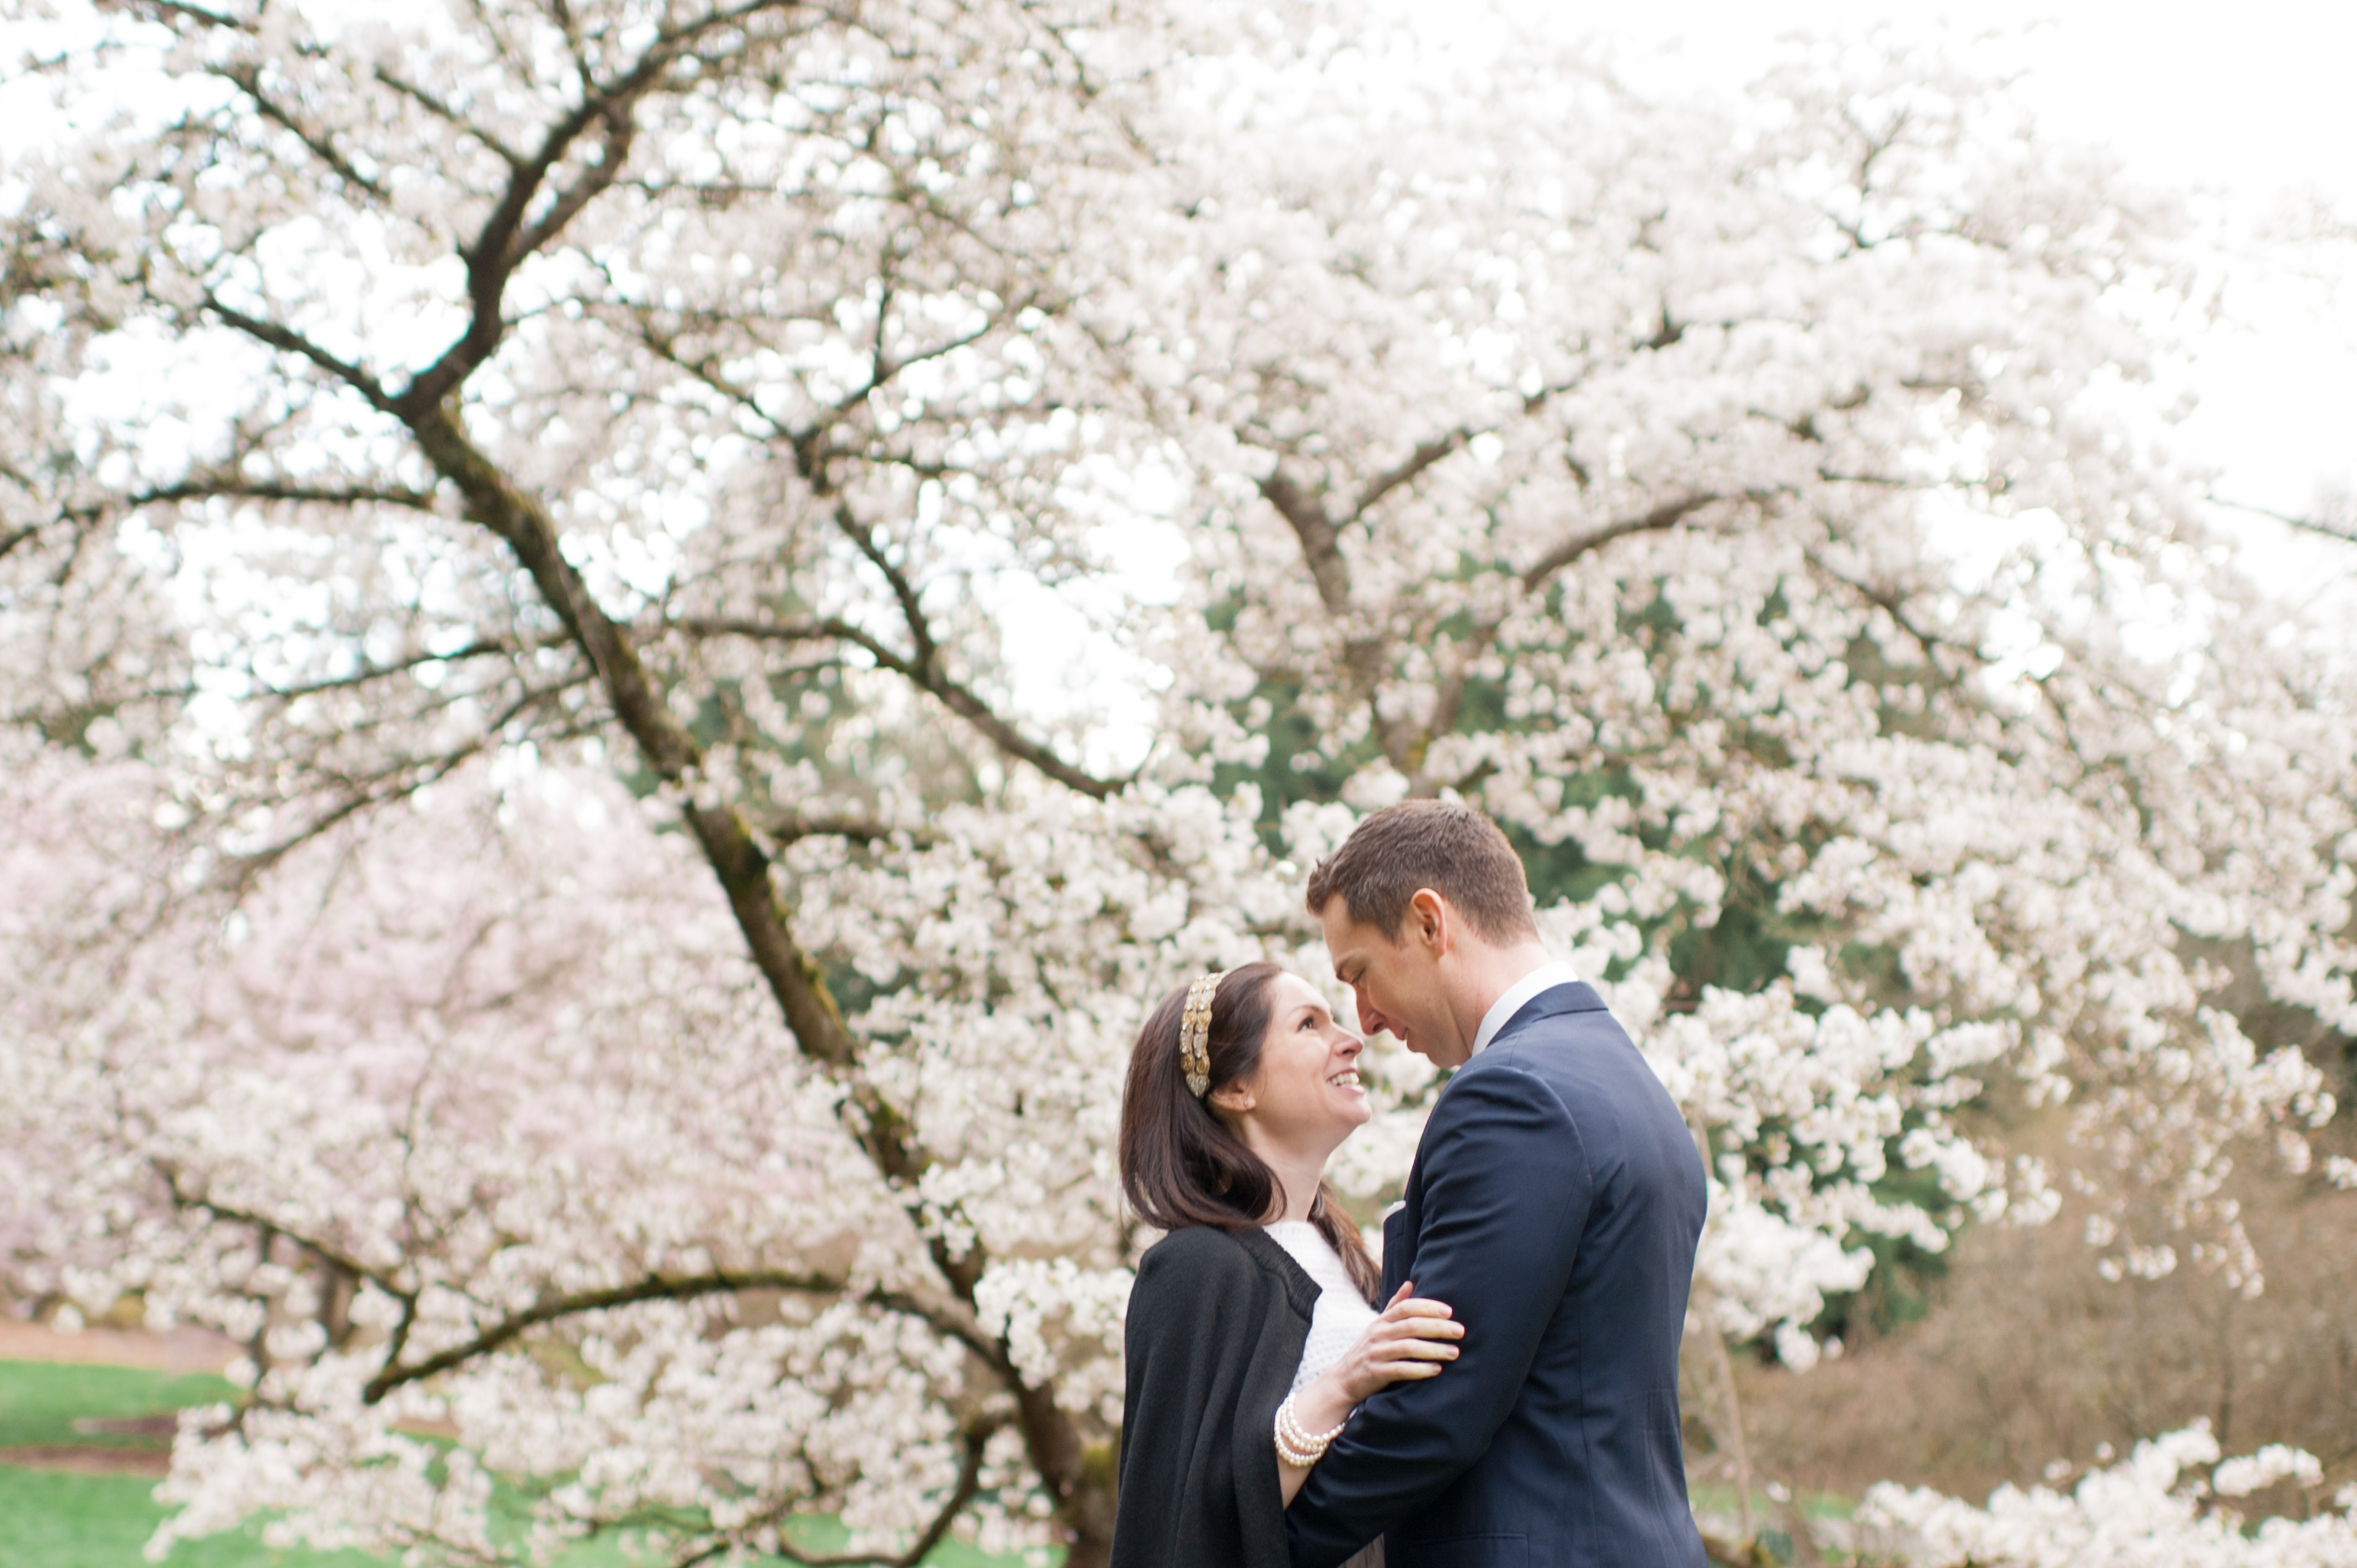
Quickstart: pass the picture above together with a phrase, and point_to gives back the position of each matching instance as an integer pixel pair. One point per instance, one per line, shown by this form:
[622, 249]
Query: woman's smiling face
[1306, 1097]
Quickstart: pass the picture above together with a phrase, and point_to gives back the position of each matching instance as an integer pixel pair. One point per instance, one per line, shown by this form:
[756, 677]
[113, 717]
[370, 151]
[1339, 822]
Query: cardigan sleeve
[1198, 1489]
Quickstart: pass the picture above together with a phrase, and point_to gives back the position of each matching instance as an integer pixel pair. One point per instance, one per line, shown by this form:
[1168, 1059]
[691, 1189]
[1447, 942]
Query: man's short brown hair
[1452, 849]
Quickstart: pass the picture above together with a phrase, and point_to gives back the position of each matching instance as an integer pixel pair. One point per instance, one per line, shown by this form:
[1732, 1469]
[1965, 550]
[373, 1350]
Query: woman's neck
[1299, 1171]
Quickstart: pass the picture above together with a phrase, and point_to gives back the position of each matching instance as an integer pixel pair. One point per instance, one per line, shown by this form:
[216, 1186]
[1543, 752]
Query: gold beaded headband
[1194, 1033]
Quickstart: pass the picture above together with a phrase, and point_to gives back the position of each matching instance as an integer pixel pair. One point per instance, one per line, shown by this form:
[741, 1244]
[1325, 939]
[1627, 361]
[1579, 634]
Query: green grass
[52, 1519]
[1716, 1497]
[40, 1402]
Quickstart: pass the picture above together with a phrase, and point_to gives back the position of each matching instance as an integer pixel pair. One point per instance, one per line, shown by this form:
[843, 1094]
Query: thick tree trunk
[1079, 1477]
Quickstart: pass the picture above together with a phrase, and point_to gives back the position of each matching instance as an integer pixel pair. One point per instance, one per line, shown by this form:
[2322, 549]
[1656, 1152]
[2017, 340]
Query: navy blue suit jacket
[1555, 1204]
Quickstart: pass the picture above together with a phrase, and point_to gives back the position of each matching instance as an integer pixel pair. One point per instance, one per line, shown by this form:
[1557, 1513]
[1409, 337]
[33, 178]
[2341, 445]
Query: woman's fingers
[1405, 1371]
[1424, 1324]
[1415, 1306]
[1420, 1350]
[1413, 1339]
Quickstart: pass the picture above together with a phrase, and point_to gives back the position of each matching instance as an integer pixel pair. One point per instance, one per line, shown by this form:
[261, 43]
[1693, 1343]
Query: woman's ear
[1235, 1099]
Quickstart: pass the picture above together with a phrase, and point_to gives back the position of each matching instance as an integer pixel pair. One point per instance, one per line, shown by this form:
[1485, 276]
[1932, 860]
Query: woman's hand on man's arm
[1412, 1338]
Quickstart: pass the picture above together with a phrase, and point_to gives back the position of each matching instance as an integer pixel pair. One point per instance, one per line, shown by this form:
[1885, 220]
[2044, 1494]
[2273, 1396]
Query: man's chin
[1439, 1056]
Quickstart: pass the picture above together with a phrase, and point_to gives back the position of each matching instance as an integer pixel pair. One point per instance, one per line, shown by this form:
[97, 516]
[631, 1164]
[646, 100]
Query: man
[1555, 1204]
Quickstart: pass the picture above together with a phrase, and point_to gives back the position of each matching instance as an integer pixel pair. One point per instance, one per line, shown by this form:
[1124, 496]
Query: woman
[1252, 1333]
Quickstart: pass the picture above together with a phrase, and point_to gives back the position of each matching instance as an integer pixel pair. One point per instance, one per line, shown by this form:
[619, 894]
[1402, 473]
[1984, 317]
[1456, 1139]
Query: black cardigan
[1216, 1325]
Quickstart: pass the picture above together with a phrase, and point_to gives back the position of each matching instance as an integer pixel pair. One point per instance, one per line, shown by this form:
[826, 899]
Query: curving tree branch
[942, 1317]
[287, 340]
[794, 826]
[1667, 514]
[246, 77]
[235, 488]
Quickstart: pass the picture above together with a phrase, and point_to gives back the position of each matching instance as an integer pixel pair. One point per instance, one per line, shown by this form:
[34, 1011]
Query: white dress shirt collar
[1547, 977]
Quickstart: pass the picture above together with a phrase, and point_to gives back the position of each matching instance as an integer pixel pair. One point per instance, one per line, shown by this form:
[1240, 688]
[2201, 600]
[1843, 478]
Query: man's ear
[1428, 920]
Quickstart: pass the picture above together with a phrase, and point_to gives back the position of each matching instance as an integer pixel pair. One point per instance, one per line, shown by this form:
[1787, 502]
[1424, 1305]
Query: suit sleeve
[1506, 1193]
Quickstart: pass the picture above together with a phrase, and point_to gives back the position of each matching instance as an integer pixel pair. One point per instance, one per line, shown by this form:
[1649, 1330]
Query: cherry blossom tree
[559, 937]
[2174, 1500]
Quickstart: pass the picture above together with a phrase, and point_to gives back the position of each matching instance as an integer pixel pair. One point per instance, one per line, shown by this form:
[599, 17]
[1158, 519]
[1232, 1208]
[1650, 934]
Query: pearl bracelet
[1296, 1446]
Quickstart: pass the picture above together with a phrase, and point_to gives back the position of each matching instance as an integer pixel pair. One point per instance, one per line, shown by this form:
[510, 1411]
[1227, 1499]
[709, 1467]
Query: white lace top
[1342, 1314]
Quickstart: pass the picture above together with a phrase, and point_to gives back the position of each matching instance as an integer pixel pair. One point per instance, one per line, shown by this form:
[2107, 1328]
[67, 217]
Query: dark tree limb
[655, 1288]
[1321, 542]
[247, 76]
[926, 677]
[235, 488]
[286, 340]
[1410, 468]
[170, 9]
[1667, 514]
[481, 647]
[230, 1214]
[399, 782]
[921, 666]
[491, 498]
[511, 234]
[975, 1443]
[904, 592]
[432, 104]
[795, 826]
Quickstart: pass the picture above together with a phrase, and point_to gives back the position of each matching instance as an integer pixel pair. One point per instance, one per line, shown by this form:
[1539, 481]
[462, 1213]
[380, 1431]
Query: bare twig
[927, 677]
[2346, 533]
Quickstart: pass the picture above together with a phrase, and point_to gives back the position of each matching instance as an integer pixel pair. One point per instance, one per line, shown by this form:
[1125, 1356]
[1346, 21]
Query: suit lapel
[1399, 1250]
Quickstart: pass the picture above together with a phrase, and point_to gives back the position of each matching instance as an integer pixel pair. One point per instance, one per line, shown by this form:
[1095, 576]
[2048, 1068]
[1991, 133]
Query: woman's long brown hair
[1180, 1164]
